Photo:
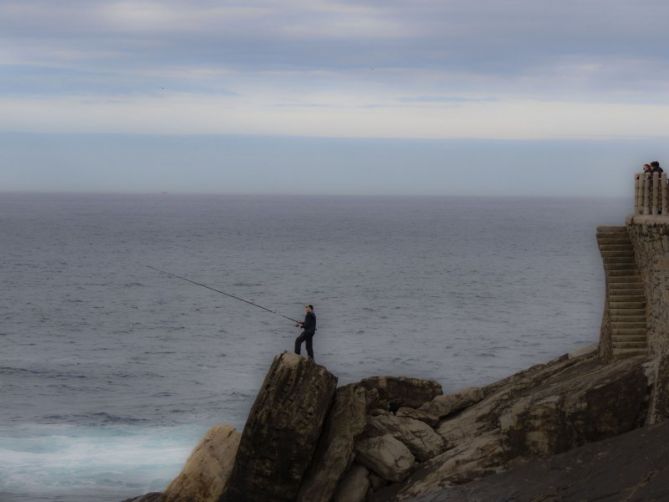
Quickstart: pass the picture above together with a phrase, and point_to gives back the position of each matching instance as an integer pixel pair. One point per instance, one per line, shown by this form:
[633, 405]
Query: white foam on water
[123, 460]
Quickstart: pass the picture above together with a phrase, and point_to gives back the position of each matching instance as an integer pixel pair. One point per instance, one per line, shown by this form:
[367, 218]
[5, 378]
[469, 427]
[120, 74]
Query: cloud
[345, 118]
[380, 68]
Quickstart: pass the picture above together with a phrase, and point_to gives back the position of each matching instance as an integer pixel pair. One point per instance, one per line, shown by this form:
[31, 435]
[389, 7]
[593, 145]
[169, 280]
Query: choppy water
[110, 372]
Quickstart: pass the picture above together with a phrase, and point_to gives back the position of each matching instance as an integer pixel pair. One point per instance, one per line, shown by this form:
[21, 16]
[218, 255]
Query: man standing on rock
[308, 330]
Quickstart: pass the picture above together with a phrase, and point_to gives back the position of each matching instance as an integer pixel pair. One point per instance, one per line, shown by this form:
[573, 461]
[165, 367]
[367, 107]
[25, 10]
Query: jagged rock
[633, 466]
[418, 414]
[354, 485]
[396, 392]
[208, 468]
[386, 456]
[443, 406]
[604, 402]
[423, 442]
[344, 424]
[282, 431]
[548, 410]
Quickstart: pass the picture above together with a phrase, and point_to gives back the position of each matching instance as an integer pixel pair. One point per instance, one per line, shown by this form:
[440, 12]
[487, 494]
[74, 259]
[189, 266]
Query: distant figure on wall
[655, 168]
[308, 330]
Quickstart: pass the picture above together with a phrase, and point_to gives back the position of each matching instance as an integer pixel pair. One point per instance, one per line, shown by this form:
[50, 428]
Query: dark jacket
[309, 324]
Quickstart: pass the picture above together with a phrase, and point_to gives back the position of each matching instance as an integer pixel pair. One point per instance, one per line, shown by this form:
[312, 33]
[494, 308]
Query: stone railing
[651, 194]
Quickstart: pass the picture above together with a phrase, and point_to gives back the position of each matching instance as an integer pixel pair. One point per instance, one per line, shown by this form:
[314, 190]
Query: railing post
[664, 190]
[637, 194]
[655, 193]
[646, 194]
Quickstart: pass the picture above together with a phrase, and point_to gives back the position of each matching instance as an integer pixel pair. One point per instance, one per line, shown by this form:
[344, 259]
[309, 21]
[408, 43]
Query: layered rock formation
[282, 431]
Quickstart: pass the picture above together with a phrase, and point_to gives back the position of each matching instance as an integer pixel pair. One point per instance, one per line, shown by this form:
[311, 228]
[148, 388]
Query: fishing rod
[224, 293]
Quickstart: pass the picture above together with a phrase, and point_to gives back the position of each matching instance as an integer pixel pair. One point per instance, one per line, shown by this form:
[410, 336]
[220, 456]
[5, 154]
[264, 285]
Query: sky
[438, 97]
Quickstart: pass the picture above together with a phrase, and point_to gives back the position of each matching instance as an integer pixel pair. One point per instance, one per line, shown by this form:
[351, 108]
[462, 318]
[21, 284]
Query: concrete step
[616, 246]
[627, 315]
[619, 293]
[619, 261]
[628, 305]
[620, 288]
[622, 353]
[615, 300]
[629, 332]
[612, 235]
[611, 229]
[632, 281]
[615, 293]
[631, 342]
[622, 325]
[617, 253]
[627, 272]
[617, 349]
[613, 239]
[630, 268]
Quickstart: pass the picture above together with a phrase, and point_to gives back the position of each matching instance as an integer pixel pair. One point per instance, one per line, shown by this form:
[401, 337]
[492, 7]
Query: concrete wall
[650, 238]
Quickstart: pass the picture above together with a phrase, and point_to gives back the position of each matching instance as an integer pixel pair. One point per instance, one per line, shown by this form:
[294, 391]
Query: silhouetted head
[309, 308]
[646, 168]
[654, 164]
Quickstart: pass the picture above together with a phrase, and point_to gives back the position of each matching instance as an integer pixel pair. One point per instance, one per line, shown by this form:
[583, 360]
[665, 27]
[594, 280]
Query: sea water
[110, 372]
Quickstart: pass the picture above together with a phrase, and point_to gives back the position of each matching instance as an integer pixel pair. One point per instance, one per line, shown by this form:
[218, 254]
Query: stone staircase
[626, 300]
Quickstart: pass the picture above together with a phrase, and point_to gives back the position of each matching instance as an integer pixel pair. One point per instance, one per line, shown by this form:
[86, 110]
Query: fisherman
[308, 330]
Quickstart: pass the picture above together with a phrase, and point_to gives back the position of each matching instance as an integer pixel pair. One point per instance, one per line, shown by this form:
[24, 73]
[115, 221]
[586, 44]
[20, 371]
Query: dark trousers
[305, 337]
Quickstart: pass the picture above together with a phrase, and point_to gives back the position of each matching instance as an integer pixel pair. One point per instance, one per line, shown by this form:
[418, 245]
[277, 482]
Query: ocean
[110, 372]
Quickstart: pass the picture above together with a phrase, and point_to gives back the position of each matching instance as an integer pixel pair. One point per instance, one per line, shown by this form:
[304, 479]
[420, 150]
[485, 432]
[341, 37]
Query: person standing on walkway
[655, 168]
[308, 330]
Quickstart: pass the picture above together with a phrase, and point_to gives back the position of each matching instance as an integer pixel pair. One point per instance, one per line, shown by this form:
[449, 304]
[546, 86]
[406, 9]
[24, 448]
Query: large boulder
[423, 442]
[354, 486]
[396, 392]
[385, 456]
[344, 424]
[282, 431]
[208, 468]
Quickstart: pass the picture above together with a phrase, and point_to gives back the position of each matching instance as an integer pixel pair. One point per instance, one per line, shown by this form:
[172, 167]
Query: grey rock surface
[396, 392]
[630, 467]
[423, 442]
[443, 406]
[207, 470]
[546, 410]
[344, 424]
[385, 456]
[282, 431]
[354, 486]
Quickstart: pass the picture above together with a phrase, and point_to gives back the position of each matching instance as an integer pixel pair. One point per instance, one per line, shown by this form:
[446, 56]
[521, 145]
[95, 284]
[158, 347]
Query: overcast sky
[421, 96]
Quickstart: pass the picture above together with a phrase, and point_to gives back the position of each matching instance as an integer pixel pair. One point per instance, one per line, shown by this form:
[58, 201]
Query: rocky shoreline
[540, 434]
[395, 438]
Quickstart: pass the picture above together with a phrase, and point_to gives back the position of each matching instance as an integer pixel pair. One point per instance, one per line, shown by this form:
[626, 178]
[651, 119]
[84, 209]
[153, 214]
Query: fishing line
[224, 293]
